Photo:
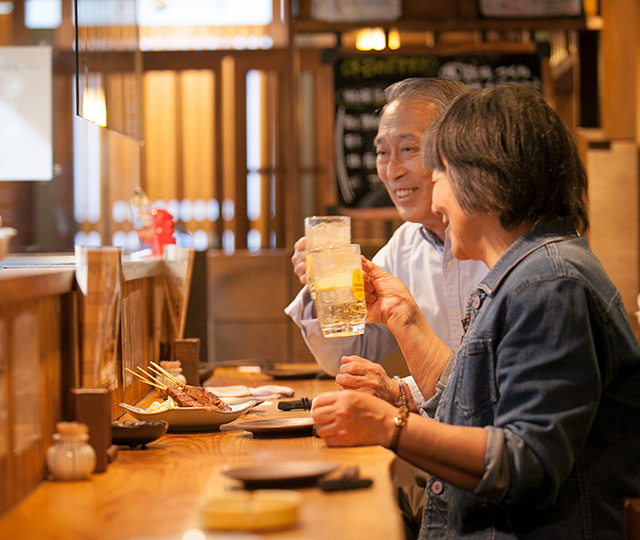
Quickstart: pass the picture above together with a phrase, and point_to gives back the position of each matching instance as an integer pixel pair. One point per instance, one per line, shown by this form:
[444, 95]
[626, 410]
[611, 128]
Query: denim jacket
[550, 367]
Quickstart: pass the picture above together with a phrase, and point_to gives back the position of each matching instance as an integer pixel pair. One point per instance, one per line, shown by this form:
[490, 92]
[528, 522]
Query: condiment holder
[71, 457]
[174, 367]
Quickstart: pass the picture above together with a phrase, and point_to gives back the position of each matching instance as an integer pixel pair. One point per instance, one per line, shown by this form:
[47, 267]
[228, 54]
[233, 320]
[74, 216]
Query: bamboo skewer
[151, 381]
[161, 371]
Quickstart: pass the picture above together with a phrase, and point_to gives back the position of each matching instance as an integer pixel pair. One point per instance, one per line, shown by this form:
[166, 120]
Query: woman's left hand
[350, 418]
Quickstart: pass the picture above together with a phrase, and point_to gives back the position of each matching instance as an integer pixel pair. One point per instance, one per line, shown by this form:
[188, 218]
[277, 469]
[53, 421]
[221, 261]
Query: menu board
[360, 81]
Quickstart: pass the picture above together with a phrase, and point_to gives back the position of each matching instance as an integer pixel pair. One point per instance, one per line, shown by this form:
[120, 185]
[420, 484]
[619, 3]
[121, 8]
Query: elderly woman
[537, 434]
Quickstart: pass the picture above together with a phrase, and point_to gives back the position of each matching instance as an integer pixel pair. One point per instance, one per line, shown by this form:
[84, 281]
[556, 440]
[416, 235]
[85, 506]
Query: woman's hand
[388, 299]
[299, 260]
[353, 419]
[357, 373]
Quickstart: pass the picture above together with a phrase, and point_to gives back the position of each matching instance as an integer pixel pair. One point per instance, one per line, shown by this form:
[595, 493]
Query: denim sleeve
[548, 386]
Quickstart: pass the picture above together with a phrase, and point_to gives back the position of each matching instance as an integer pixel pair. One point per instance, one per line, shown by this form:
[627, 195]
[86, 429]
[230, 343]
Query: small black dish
[134, 433]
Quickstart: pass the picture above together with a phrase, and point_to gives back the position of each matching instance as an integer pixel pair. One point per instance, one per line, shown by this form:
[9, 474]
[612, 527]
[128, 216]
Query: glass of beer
[339, 290]
[324, 231]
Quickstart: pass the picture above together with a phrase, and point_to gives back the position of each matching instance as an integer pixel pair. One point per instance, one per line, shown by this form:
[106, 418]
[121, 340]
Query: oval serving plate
[281, 474]
[278, 427]
[192, 418]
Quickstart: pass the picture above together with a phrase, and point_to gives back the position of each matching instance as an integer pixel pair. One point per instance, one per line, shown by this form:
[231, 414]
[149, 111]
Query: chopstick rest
[303, 403]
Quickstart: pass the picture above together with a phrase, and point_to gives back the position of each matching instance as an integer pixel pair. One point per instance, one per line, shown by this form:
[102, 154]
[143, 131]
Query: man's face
[397, 145]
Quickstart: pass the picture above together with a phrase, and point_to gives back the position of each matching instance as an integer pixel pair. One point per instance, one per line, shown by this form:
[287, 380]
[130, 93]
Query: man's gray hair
[440, 92]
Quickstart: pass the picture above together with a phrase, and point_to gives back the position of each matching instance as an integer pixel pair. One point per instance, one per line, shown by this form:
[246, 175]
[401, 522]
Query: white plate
[192, 418]
[241, 400]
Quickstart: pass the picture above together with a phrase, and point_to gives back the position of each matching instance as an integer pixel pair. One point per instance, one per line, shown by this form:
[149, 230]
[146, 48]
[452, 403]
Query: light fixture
[371, 39]
[393, 39]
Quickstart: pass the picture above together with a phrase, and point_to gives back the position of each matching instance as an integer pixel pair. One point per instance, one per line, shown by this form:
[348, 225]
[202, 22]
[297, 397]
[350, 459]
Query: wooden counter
[157, 492]
[66, 325]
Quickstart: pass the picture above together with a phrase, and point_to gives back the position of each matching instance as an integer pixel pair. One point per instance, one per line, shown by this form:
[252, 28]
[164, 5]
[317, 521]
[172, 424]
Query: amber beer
[339, 290]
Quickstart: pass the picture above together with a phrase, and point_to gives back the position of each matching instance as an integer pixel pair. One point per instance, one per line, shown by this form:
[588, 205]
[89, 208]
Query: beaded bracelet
[400, 420]
[403, 392]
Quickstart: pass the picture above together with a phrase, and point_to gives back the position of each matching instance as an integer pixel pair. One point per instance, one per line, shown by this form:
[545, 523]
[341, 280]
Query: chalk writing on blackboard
[360, 82]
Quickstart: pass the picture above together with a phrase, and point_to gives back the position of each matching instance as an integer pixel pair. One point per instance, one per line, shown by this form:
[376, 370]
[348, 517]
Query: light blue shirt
[439, 283]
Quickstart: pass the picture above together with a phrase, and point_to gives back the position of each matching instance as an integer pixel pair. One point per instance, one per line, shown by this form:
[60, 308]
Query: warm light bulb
[394, 39]
[370, 38]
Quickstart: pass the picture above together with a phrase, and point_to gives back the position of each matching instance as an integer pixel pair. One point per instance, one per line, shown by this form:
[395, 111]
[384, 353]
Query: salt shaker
[71, 457]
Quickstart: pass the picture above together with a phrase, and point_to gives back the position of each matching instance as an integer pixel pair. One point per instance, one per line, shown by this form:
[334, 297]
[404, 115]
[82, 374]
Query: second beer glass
[339, 290]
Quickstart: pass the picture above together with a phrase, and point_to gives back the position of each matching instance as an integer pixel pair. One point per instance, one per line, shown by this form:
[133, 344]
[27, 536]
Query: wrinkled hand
[353, 419]
[357, 373]
[386, 296]
[299, 260]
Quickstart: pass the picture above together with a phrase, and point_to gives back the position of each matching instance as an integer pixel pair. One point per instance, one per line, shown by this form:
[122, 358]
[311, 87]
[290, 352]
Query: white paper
[26, 151]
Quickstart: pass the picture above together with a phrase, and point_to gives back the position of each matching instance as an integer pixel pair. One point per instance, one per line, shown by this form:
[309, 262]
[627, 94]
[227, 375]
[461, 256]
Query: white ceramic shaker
[71, 457]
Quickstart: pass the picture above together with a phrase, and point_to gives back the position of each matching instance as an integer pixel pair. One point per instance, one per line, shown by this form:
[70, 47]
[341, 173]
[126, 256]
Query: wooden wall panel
[247, 294]
[619, 49]
[614, 214]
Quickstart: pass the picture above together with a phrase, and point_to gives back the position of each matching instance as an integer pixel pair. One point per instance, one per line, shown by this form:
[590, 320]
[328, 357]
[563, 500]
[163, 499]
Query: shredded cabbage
[165, 405]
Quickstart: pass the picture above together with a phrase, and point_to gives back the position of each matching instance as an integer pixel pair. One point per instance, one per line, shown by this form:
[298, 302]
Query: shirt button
[477, 302]
[437, 487]
[449, 264]
[454, 313]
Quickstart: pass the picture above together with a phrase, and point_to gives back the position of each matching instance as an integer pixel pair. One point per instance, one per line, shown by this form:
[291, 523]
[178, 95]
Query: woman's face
[464, 230]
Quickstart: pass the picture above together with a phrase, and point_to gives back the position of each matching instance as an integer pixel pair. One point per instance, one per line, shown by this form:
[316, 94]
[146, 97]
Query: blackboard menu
[360, 81]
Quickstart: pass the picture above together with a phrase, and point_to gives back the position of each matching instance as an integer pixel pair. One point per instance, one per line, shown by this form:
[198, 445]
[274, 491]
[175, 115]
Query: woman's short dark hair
[507, 153]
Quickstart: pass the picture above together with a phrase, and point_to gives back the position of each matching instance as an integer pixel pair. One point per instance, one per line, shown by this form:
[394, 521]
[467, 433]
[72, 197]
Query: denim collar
[535, 238]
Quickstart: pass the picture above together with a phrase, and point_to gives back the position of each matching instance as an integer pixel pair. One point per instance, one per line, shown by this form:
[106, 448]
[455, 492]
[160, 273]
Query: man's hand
[357, 373]
[299, 260]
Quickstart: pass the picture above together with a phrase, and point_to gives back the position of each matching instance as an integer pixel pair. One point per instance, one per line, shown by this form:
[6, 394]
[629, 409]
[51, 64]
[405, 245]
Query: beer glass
[323, 231]
[339, 290]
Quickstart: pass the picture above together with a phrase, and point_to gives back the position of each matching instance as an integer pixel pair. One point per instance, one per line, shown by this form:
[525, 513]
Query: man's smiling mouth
[401, 193]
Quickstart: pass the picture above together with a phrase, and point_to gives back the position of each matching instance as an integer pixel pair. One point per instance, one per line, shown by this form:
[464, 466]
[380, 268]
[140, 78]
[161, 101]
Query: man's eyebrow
[403, 136]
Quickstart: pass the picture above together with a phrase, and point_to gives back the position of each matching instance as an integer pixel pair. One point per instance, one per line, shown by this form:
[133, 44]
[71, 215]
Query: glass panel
[108, 65]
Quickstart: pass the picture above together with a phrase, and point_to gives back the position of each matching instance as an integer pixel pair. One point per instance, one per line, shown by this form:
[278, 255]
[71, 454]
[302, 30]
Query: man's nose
[395, 167]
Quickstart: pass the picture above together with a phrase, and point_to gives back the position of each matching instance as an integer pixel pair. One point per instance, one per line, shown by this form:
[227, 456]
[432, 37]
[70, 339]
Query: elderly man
[419, 253]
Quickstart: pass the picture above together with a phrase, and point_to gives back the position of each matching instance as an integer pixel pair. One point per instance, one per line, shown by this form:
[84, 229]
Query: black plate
[301, 373]
[278, 427]
[134, 434]
[282, 474]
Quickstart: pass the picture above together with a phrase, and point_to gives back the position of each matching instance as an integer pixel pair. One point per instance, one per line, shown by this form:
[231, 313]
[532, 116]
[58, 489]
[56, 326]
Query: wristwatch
[400, 420]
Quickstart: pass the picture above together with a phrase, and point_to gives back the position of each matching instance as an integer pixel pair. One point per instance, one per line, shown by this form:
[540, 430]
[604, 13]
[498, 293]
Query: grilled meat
[194, 396]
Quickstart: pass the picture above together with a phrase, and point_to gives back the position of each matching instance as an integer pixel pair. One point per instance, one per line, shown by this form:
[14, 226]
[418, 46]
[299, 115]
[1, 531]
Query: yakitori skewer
[147, 379]
[183, 394]
[159, 370]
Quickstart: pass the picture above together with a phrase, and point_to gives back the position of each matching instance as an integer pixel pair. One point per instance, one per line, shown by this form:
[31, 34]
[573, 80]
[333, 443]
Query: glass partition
[108, 86]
